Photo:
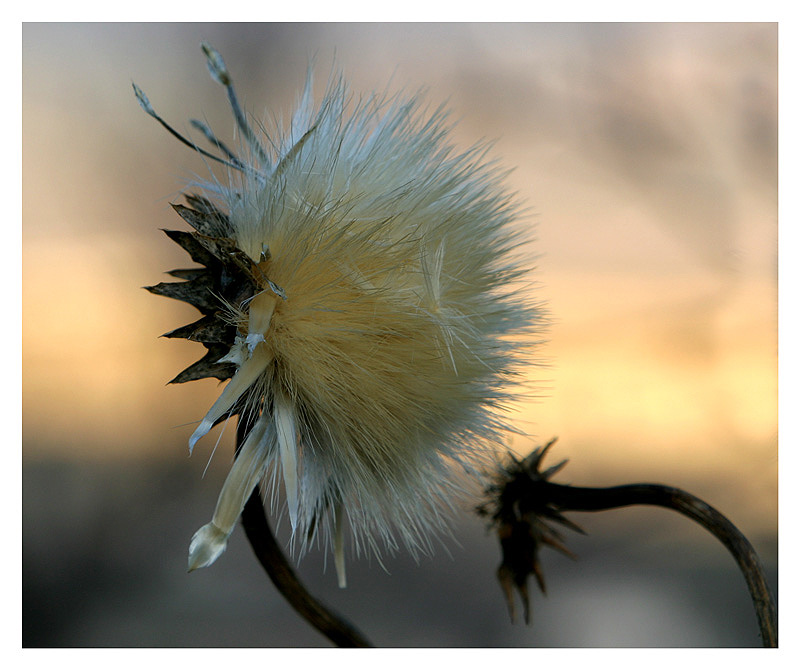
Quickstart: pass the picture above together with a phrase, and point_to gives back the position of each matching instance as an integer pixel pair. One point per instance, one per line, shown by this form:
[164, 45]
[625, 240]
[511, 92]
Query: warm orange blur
[647, 154]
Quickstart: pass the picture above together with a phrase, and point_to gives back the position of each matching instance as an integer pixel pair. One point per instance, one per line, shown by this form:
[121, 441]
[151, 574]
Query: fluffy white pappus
[394, 318]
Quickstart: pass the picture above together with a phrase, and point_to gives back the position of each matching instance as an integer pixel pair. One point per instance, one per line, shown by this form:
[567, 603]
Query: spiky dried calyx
[227, 276]
[522, 515]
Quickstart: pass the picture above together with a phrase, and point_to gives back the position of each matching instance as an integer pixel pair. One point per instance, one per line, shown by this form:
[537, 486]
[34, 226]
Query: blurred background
[648, 156]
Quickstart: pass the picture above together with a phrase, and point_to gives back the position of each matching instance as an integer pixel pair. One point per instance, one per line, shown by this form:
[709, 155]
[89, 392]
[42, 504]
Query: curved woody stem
[584, 499]
[259, 534]
[523, 505]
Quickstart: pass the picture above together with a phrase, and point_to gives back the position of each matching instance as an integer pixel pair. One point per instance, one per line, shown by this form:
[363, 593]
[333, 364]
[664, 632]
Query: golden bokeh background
[646, 152]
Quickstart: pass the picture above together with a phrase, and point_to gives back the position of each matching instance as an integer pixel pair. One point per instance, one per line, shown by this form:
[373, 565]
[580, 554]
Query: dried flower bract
[363, 289]
[523, 516]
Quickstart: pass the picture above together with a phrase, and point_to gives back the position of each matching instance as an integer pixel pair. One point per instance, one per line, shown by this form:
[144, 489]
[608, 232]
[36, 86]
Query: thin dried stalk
[259, 534]
[581, 499]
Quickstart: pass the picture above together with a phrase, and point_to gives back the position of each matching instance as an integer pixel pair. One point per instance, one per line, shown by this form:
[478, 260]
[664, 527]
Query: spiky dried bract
[367, 277]
[523, 517]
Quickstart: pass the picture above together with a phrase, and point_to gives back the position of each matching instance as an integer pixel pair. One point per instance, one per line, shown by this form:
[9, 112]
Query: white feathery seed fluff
[377, 360]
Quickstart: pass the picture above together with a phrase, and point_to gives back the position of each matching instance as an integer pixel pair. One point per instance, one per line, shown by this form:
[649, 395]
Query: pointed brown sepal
[208, 366]
[196, 292]
[533, 460]
[226, 251]
[537, 572]
[558, 517]
[204, 223]
[509, 583]
[205, 206]
[188, 273]
[558, 546]
[208, 329]
[189, 243]
[554, 469]
[506, 578]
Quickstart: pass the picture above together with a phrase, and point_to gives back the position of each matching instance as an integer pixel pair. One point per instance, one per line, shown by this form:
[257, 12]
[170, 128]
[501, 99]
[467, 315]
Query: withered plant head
[523, 517]
[363, 287]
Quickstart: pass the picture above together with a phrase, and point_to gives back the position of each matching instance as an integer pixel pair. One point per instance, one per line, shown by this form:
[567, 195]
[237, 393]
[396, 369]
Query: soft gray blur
[648, 156]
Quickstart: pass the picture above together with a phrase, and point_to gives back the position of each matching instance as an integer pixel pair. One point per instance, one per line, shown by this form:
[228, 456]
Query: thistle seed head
[361, 288]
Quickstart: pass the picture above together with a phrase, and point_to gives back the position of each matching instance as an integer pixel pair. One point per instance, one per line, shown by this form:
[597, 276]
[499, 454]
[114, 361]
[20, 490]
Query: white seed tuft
[390, 326]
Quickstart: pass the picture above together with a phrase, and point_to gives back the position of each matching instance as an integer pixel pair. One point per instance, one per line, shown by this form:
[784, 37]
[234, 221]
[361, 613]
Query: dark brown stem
[581, 499]
[269, 554]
